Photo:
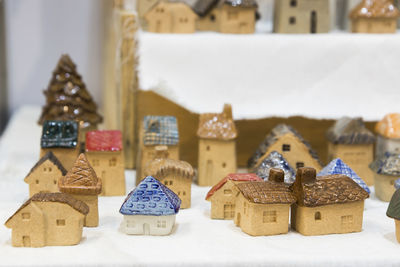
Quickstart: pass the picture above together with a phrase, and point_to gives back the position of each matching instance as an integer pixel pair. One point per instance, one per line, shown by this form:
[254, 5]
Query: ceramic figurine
[222, 197]
[386, 170]
[149, 209]
[226, 16]
[82, 183]
[48, 219]
[350, 141]
[302, 16]
[61, 138]
[275, 160]
[104, 152]
[332, 204]
[68, 99]
[374, 16]
[262, 208]
[175, 174]
[388, 138]
[393, 211]
[142, 7]
[288, 142]
[156, 131]
[337, 166]
[217, 146]
[171, 17]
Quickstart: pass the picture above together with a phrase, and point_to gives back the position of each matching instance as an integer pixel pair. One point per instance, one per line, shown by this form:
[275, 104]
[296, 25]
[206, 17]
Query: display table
[196, 239]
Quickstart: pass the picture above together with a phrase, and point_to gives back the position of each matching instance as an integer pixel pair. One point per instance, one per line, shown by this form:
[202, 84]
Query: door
[26, 240]
[209, 170]
[313, 22]
[146, 229]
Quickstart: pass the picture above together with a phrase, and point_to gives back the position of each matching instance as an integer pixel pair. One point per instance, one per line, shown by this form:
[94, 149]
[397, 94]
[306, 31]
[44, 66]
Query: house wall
[358, 157]
[66, 156]
[333, 219]
[374, 25]
[384, 145]
[147, 225]
[217, 159]
[183, 19]
[223, 202]
[159, 19]
[180, 186]
[210, 22]
[384, 186]
[44, 178]
[92, 218]
[237, 20]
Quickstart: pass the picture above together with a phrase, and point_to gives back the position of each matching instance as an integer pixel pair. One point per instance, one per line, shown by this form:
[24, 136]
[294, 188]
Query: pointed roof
[337, 166]
[81, 179]
[59, 134]
[218, 126]
[350, 131]
[275, 160]
[151, 197]
[266, 192]
[387, 164]
[393, 210]
[104, 140]
[389, 126]
[160, 130]
[53, 159]
[375, 9]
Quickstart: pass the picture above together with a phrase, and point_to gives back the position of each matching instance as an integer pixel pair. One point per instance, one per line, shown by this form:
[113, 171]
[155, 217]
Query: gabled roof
[218, 126]
[53, 159]
[236, 177]
[388, 164]
[59, 134]
[77, 205]
[375, 9]
[393, 210]
[202, 7]
[276, 133]
[275, 160]
[151, 197]
[337, 166]
[161, 167]
[267, 192]
[104, 140]
[350, 131]
[160, 130]
[389, 126]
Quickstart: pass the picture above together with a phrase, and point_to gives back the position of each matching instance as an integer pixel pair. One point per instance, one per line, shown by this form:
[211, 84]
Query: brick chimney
[228, 111]
[306, 175]
[161, 152]
[276, 175]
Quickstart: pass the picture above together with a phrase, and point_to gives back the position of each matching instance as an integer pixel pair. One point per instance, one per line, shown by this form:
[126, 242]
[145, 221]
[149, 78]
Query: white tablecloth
[196, 240]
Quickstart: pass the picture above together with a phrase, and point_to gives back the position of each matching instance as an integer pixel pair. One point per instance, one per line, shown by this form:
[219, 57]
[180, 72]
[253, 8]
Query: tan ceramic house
[48, 219]
[374, 16]
[301, 16]
[81, 182]
[353, 143]
[288, 142]
[104, 152]
[217, 146]
[388, 135]
[142, 7]
[332, 204]
[222, 197]
[175, 174]
[171, 17]
[43, 177]
[386, 171]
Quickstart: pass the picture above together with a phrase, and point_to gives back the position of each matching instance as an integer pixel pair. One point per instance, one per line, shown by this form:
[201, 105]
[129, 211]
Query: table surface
[196, 239]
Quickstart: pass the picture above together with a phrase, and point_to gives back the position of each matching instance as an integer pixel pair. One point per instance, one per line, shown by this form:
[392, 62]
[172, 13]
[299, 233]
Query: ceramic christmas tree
[275, 160]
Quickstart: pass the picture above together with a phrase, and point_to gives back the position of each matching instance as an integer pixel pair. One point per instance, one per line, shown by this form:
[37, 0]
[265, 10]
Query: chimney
[228, 111]
[276, 175]
[161, 152]
[306, 175]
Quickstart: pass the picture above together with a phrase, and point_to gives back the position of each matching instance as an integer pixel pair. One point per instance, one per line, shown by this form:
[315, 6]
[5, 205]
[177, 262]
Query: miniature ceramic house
[288, 142]
[386, 170]
[350, 141]
[222, 196]
[226, 16]
[262, 208]
[175, 174]
[104, 152]
[332, 204]
[150, 209]
[217, 146]
[171, 17]
[301, 16]
[82, 183]
[374, 16]
[156, 131]
[61, 138]
[48, 219]
[144, 6]
[393, 212]
[275, 160]
[388, 138]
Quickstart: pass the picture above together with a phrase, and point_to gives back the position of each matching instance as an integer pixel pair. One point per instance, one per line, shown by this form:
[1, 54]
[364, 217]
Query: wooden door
[26, 240]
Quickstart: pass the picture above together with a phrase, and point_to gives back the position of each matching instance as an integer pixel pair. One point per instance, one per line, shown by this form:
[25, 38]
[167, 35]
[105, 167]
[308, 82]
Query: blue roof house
[275, 160]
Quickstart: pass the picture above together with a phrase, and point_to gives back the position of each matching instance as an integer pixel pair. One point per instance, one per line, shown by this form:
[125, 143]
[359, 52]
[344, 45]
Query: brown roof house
[386, 170]
[82, 183]
[43, 177]
[175, 174]
[388, 135]
[48, 219]
[374, 16]
[353, 143]
[217, 146]
[222, 195]
[226, 16]
[332, 204]
[301, 16]
[171, 17]
[262, 208]
[288, 142]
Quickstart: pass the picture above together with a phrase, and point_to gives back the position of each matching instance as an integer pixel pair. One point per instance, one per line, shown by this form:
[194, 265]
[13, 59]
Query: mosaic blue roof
[337, 166]
[160, 130]
[151, 197]
[387, 164]
[275, 160]
[59, 134]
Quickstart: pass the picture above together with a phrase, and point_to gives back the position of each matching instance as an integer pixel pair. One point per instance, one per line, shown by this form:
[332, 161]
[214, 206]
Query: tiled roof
[393, 210]
[275, 160]
[388, 164]
[52, 158]
[106, 140]
[216, 126]
[350, 131]
[267, 192]
[59, 134]
[151, 197]
[375, 9]
[160, 130]
[389, 126]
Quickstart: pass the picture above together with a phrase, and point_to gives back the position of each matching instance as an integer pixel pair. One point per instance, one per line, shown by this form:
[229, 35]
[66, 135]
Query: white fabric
[263, 75]
[196, 240]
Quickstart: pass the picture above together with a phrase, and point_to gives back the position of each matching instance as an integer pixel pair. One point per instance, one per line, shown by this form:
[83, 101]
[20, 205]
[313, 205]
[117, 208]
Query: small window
[55, 181]
[60, 222]
[95, 162]
[161, 224]
[299, 165]
[293, 3]
[269, 216]
[184, 193]
[166, 182]
[292, 20]
[37, 181]
[223, 164]
[212, 17]
[170, 182]
[179, 193]
[26, 216]
[347, 221]
[50, 169]
[44, 169]
[229, 211]
[227, 192]
[113, 162]
[208, 148]
[317, 216]
[285, 147]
